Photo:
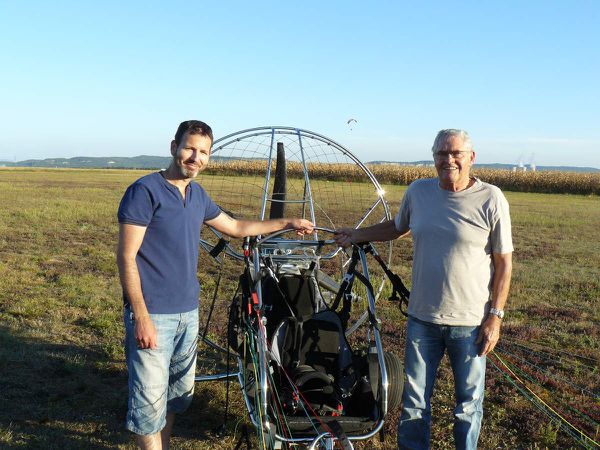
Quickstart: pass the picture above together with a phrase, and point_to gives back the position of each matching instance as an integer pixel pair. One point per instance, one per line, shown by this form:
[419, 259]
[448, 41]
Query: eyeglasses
[456, 154]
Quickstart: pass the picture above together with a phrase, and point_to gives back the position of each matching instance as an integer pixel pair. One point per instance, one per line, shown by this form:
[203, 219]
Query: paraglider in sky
[351, 123]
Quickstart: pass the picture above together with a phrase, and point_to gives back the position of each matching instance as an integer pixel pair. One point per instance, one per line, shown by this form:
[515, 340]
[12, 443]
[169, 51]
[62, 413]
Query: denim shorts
[161, 380]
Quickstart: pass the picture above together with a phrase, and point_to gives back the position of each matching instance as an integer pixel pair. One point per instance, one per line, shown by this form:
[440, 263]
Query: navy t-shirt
[168, 257]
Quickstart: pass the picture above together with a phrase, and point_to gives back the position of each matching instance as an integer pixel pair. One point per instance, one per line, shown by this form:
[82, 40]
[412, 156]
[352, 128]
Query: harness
[400, 293]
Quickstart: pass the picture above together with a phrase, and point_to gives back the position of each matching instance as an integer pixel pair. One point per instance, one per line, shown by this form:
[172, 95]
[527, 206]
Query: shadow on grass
[73, 397]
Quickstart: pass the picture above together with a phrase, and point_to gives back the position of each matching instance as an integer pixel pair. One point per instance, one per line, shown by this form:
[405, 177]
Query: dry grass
[61, 359]
[549, 182]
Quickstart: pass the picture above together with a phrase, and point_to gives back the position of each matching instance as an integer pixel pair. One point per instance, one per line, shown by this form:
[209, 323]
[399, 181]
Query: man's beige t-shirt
[454, 235]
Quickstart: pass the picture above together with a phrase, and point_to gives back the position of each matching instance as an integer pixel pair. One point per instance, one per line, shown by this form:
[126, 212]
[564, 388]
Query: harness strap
[289, 351]
[346, 286]
[347, 306]
[310, 270]
[297, 343]
[218, 248]
[399, 290]
[338, 432]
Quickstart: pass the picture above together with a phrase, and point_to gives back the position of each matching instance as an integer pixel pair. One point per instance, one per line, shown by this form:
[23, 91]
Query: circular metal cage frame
[238, 147]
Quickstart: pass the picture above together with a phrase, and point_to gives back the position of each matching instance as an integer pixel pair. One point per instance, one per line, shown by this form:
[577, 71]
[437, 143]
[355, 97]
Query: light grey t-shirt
[454, 235]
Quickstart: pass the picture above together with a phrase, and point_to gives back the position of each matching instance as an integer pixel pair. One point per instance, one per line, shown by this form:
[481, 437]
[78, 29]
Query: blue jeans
[161, 380]
[425, 346]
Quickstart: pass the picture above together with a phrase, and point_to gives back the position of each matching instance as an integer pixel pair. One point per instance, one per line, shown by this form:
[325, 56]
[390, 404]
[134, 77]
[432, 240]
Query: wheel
[395, 372]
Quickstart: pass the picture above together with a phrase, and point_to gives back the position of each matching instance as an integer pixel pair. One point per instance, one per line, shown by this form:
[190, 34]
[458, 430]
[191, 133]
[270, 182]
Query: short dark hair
[193, 127]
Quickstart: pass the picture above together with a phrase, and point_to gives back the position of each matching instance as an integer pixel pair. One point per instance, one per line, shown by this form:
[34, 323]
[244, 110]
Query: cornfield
[549, 182]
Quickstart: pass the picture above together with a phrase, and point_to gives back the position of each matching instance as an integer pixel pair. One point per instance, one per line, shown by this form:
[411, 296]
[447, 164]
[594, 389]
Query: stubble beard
[184, 171]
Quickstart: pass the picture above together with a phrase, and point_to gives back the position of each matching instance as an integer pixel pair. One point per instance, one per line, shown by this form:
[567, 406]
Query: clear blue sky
[115, 78]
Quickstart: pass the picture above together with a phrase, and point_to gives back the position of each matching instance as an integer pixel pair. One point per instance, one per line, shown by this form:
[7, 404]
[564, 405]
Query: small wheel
[395, 372]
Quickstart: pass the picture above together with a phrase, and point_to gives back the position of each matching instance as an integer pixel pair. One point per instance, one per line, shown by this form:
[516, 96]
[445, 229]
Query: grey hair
[443, 135]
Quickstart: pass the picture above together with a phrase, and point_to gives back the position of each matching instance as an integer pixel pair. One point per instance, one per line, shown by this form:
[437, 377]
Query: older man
[462, 264]
[160, 217]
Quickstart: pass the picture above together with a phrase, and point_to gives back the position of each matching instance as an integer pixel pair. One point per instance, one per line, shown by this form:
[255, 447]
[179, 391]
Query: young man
[462, 264]
[160, 218]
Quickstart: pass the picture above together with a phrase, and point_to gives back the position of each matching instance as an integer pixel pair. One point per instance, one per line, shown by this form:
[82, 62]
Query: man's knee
[147, 409]
[180, 401]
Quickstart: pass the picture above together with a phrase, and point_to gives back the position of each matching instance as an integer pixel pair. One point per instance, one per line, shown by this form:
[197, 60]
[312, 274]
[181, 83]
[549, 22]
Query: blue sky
[115, 78]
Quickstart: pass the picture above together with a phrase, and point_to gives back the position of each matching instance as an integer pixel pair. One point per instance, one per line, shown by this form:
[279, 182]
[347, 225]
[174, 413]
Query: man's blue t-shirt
[168, 257]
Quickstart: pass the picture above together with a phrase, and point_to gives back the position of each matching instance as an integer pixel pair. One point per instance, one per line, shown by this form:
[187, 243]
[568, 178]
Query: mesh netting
[325, 182]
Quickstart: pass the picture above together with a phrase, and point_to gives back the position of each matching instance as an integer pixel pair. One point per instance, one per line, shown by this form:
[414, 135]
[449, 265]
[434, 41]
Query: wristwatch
[497, 312]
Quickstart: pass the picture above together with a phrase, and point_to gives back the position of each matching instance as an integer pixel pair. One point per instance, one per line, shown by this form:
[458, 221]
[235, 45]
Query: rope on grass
[549, 374]
[532, 378]
[569, 359]
[537, 401]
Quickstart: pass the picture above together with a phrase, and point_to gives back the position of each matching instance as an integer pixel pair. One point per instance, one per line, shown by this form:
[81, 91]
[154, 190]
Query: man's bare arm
[241, 228]
[489, 333]
[385, 231]
[130, 241]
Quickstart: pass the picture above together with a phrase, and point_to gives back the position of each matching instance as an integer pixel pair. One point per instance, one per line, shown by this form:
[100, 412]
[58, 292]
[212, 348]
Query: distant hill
[136, 162]
[83, 162]
[161, 162]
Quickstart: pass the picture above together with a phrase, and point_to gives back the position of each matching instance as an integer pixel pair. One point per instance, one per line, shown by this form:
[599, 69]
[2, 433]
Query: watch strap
[497, 312]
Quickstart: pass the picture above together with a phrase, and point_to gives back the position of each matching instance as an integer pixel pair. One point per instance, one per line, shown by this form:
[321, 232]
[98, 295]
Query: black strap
[212, 305]
[310, 270]
[346, 286]
[295, 351]
[246, 292]
[340, 434]
[399, 290]
[226, 412]
[290, 351]
[217, 249]
[346, 306]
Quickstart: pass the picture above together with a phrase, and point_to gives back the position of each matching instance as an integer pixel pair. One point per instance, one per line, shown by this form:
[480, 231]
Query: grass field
[62, 373]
